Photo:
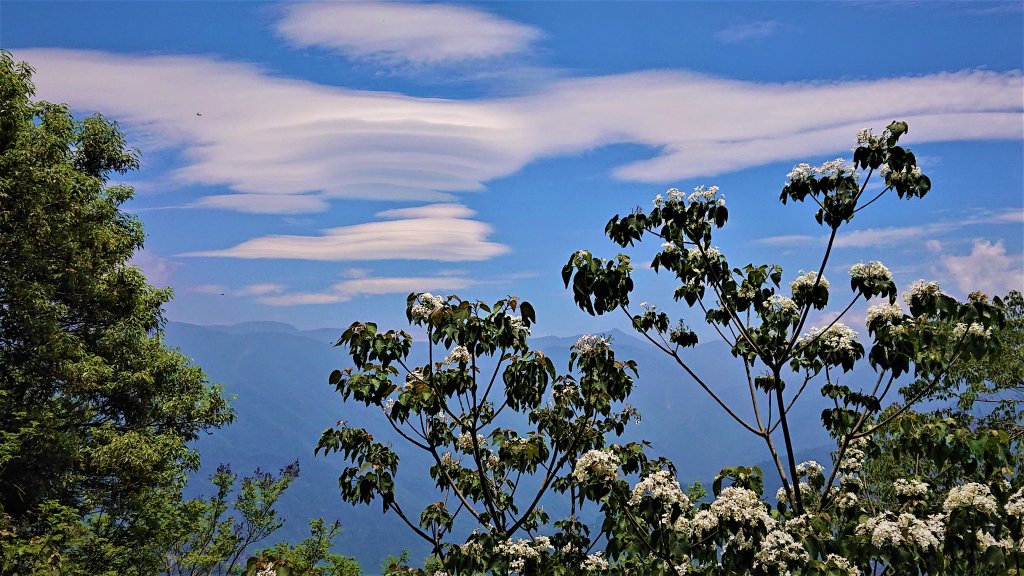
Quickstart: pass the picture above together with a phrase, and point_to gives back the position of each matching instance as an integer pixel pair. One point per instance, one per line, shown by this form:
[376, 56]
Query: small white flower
[872, 270]
[601, 464]
[591, 343]
[782, 305]
[809, 468]
[837, 338]
[458, 355]
[426, 305]
[701, 194]
[518, 324]
[1015, 505]
[594, 562]
[921, 289]
[842, 563]
[910, 488]
[669, 247]
[975, 330]
[800, 171]
[778, 552]
[884, 314]
[806, 282]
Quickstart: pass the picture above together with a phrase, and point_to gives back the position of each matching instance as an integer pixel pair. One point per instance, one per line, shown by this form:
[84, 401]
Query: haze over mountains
[278, 375]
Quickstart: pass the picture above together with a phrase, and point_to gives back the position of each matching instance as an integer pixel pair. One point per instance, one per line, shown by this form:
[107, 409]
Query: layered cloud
[288, 146]
[370, 286]
[402, 32]
[441, 232]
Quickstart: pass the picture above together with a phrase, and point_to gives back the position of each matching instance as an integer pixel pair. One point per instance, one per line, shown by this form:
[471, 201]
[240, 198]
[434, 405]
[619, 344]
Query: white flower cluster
[426, 304]
[710, 253]
[975, 330]
[837, 167]
[809, 468]
[600, 464]
[885, 313]
[986, 540]
[458, 355]
[742, 506]
[871, 271]
[518, 324]
[841, 563]
[921, 289]
[388, 405]
[664, 488]
[778, 552]
[595, 562]
[685, 567]
[910, 488]
[702, 194]
[970, 496]
[521, 551]
[854, 456]
[466, 441]
[806, 282]
[846, 501]
[591, 342]
[837, 338]
[866, 138]
[782, 305]
[1015, 505]
[449, 463]
[704, 521]
[884, 531]
[669, 247]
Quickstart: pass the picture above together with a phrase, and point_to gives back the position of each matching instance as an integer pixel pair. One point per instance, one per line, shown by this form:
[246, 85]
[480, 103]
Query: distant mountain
[278, 375]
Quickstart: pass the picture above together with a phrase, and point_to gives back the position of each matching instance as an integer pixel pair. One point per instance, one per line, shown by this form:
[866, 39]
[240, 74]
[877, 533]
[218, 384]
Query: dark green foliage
[97, 410]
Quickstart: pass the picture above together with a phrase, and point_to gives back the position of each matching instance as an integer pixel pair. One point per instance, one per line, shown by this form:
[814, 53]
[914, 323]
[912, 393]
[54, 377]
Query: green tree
[97, 410]
[214, 536]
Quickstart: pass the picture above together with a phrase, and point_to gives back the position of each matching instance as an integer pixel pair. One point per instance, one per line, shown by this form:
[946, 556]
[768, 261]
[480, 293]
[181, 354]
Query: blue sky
[314, 163]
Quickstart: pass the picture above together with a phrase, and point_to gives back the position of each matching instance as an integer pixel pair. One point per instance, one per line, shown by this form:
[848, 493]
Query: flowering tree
[957, 512]
[499, 425]
[905, 493]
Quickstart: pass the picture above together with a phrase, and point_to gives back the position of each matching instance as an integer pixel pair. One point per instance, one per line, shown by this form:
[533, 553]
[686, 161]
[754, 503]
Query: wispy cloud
[370, 286]
[342, 143]
[987, 268]
[442, 233]
[739, 33]
[890, 235]
[244, 291]
[399, 32]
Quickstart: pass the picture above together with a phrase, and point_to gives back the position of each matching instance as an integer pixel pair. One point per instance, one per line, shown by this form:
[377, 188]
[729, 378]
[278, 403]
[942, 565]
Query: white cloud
[159, 271]
[255, 139]
[987, 268]
[877, 237]
[265, 203]
[429, 211]
[788, 240]
[405, 32]
[370, 286]
[444, 234]
[887, 236]
[245, 291]
[740, 33]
